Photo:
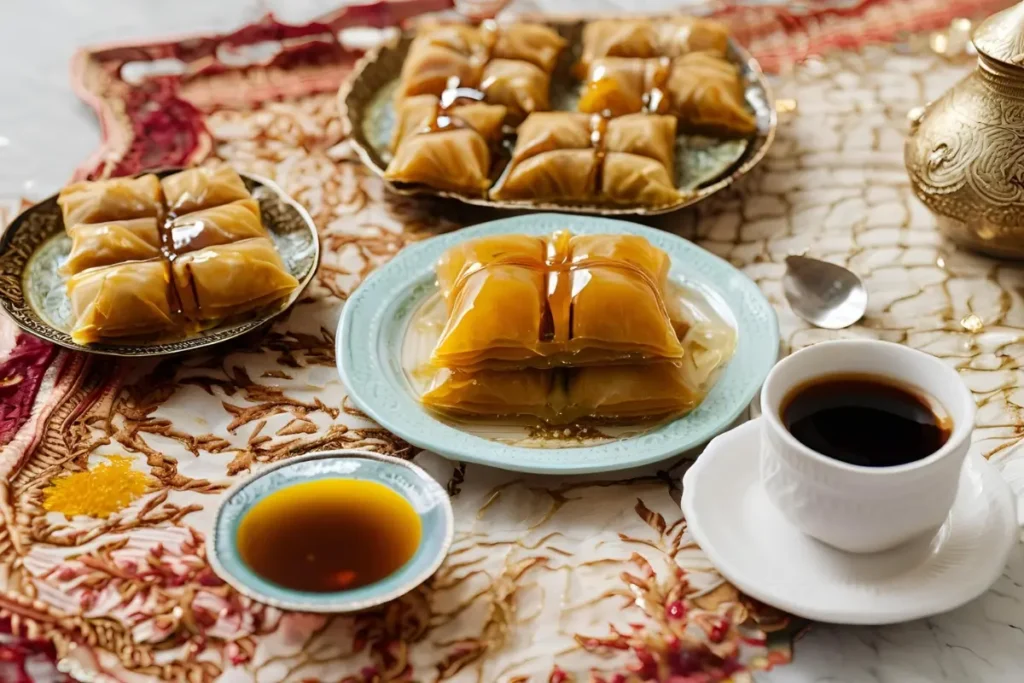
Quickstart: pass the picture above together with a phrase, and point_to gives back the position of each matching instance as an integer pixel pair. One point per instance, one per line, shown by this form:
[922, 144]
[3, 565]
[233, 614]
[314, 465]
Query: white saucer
[763, 555]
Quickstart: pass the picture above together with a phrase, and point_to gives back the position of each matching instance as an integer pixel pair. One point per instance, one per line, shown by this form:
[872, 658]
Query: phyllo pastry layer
[103, 244]
[232, 222]
[123, 300]
[520, 86]
[201, 188]
[174, 269]
[648, 38]
[613, 393]
[111, 200]
[457, 55]
[520, 301]
[706, 92]
[566, 156]
[228, 279]
[539, 45]
[430, 65]
[446, 145]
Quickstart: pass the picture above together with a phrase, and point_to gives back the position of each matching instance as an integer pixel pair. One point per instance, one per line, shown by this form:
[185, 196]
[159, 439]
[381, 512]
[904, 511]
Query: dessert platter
[554, 343]
[639, 116]
[187, 519]
[159, 263]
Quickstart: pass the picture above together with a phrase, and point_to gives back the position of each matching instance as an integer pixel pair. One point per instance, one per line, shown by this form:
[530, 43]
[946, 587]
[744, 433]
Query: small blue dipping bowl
[427, 497]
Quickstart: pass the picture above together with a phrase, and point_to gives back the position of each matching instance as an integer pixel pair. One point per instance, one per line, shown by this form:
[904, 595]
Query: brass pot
[965, 152]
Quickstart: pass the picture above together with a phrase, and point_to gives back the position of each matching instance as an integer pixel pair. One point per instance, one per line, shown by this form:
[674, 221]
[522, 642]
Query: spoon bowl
[824, 294]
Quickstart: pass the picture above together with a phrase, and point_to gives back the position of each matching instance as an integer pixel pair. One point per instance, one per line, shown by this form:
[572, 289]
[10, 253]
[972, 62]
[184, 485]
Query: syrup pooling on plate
[329, 535]
[557, 383]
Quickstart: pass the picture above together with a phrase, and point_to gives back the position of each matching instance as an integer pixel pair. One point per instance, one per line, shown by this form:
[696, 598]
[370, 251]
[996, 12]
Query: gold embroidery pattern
[578, 580]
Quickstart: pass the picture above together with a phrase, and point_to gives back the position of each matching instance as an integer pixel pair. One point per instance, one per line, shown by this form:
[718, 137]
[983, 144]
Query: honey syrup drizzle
[559, 294]
[598, 138]
[168, 254]
[491, 33]
[454, 91]
[443, 118]
[656, 98]
[329, 534]
[548, 331]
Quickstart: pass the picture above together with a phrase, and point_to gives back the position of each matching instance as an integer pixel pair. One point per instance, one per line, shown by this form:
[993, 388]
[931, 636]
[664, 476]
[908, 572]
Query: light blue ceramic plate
[427, 497]
[375, 318]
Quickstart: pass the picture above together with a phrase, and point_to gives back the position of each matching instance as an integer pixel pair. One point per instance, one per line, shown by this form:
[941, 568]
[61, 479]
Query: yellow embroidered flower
[99, 492]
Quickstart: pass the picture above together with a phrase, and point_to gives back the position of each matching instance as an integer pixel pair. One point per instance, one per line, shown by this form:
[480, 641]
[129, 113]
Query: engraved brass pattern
[965, 151]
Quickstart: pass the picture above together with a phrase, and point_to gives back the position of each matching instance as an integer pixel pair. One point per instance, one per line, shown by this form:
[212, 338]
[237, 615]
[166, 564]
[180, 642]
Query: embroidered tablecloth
[569, 579]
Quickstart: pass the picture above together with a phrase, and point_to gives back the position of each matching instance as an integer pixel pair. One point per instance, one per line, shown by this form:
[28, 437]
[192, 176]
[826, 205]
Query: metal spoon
[824, 294]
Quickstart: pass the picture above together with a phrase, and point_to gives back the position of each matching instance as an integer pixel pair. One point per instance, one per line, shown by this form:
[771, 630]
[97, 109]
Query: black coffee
[864, 420]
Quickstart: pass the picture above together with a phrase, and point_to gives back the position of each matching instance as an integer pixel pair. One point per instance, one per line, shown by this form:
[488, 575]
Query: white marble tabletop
[45, 132]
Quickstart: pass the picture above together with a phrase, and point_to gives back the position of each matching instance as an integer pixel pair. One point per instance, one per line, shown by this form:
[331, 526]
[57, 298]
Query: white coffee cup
[854, 508]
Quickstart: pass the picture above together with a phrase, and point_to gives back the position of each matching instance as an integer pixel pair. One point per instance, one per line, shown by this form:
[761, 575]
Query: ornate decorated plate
[704, 165]
[372, 338]
[35, 244]
[428, 499]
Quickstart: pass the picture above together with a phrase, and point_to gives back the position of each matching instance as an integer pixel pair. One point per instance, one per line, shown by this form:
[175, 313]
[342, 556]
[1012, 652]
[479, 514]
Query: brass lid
[1001, 36]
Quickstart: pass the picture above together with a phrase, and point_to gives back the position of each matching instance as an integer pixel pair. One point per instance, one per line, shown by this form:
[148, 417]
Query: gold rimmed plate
[32, 290]
[705, 164]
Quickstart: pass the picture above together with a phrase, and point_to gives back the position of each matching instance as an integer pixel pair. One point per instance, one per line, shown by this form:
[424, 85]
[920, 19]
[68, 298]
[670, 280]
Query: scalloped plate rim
[429, 433]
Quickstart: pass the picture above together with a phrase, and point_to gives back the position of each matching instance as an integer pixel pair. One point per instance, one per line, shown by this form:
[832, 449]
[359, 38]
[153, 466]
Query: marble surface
[45, 132]
[836, 179]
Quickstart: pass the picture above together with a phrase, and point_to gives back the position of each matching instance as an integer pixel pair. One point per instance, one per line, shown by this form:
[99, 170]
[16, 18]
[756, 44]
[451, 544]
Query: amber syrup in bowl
[329, 534]
[332, 532]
